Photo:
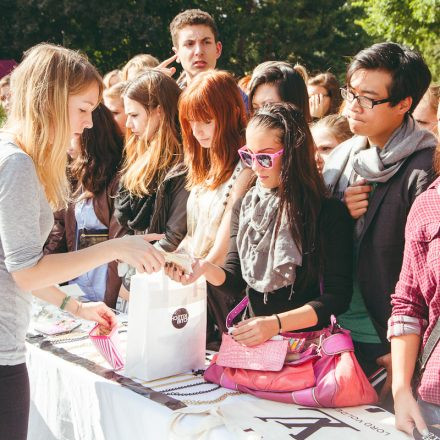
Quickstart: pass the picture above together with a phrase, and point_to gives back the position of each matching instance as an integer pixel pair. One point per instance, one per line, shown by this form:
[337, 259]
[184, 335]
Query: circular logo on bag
[180, 318]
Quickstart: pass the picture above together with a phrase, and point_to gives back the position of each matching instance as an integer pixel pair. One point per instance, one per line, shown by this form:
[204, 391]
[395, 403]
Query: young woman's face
[264, 140]
[74, 149]
[204, 132]
[5, 97]
[265, 94]
[325, 142]
[139, 121]
[116, 106]
[80, 107]
[425, 115]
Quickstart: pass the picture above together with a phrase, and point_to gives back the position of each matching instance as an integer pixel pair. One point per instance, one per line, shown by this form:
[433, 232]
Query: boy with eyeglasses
[378, 173]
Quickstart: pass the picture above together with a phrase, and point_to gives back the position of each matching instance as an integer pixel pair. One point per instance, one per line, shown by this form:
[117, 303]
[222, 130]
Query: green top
[356, 318]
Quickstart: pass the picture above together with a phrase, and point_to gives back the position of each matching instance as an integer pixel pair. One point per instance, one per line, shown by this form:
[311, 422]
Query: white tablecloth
[70, 402]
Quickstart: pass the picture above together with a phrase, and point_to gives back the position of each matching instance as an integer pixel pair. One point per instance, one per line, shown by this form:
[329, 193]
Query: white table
[70, 402]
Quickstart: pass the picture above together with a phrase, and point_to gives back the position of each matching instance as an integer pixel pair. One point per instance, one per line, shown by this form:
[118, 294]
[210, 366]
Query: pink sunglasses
[263, 159]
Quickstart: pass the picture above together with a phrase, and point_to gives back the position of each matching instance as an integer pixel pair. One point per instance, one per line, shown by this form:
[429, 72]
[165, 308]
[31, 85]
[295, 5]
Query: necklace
[207, 402]
[172, 391]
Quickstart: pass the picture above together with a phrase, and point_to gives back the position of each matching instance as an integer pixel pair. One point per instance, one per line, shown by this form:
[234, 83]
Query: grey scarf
[268, 262]
[380, 164]
[353, 159]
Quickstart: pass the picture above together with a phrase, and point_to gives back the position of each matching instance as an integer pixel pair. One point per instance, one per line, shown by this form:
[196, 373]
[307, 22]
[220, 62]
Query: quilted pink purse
[108, 346]
[319, 368]
[269, 356]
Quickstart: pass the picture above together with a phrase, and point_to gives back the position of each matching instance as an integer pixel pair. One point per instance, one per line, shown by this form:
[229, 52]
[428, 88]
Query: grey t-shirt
[25, 222]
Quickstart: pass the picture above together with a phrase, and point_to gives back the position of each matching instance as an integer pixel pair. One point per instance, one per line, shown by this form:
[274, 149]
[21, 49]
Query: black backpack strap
[430, 345]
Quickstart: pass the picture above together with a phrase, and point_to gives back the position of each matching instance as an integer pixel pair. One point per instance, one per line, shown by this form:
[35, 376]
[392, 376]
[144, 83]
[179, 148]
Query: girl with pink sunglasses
[290, 246]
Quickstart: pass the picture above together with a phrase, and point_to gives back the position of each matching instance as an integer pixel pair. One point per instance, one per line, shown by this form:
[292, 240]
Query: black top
[336, 231]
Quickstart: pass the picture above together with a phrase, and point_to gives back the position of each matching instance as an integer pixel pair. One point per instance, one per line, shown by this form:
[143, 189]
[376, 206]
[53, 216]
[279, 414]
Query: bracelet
[78, 309]
[279, 322]
[65, 301]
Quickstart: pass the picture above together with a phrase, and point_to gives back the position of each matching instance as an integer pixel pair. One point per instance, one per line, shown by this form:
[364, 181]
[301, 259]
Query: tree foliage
[318, 33]
[415, 23]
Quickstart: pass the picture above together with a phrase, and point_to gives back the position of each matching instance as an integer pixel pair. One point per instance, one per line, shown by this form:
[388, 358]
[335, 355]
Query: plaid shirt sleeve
[399, 325]
[409, 307]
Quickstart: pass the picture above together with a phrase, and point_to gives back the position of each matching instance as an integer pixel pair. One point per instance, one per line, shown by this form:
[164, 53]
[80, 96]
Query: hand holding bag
[320, 369]
[108, 345]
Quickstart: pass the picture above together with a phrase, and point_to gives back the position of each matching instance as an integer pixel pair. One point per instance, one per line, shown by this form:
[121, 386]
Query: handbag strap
[236, 311]
[430, 345]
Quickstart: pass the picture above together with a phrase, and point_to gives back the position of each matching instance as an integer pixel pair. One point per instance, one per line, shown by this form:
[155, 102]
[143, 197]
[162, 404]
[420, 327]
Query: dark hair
[192, 17]
[101, 153]
[290, 82]
[331, 84]
[410, 76]
[302, 189]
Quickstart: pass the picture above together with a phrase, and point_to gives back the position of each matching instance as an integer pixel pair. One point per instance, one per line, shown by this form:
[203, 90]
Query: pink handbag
[319, 370]
[269, 356]
[108, 346]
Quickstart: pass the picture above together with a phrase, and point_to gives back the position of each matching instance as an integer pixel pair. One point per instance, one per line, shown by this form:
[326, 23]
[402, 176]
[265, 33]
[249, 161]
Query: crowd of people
[310, 198]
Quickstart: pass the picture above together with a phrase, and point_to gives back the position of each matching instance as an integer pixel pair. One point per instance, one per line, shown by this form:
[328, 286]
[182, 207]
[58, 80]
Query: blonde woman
[111, 78]
[112, 98]
[137, 65]
[152, 194]
[55, 91]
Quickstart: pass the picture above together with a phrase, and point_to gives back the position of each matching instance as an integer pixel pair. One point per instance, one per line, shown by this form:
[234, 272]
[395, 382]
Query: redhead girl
[290, 246]
[55, 92]
[213, 119]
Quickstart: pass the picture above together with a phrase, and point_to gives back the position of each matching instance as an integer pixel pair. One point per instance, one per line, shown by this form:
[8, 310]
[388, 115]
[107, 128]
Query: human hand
[356, 198]
[318, 105]
[98, 312]
[198, 269]
[174, 272]
[163, 66]
[407, 412]
[138, 252]
[255, 331]
[385, 361]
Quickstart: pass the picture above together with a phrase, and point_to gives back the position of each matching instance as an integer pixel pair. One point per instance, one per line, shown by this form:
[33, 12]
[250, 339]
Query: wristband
[279, 322]
[65, 301]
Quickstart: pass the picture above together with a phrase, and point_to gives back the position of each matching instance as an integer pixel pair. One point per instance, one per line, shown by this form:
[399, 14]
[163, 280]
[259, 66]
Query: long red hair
[212, 95]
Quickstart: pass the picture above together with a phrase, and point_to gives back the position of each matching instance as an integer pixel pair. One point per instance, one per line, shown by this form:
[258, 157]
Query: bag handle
[236, 311]
[430, 345]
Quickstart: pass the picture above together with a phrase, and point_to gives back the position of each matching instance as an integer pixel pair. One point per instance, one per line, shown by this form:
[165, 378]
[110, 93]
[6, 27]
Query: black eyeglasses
[363, 101]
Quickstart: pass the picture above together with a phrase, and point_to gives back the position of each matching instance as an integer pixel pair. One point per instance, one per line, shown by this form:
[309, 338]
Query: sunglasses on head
[265, 160]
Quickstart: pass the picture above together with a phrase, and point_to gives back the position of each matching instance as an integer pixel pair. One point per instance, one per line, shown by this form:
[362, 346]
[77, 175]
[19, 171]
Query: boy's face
[196, 49]
[379, 122]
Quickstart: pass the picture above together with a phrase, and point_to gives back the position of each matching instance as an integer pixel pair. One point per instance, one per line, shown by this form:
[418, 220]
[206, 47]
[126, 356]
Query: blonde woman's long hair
[147, 161]
[39, 116]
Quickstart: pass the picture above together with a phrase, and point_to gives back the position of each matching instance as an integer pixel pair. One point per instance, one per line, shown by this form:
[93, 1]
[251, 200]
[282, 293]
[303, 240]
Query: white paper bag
[166, 327]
